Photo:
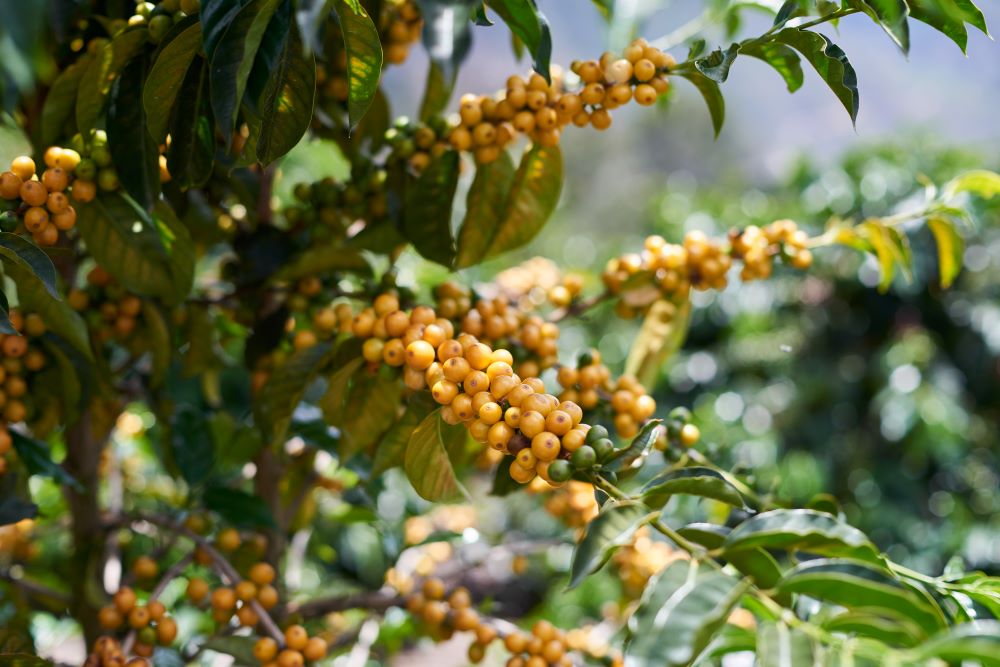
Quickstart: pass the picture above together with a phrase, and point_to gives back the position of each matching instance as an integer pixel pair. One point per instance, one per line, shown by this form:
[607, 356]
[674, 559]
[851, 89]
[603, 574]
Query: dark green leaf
[364, 58]
[713, 97]
[716, 64]
[531, 200]
[530, 26]
[680, 611]
[192, 446]
[503, 483]
[166, 78]
[150, 253]
[60, 102]
[437, 92]
[322, 260]
[446, 34]
[23, 660]
[157, 334]
[483, 209]
[860, 586]
[830, 62]
[978, 641]
[640, 447]
[14, 509]
[612, 528]
[102, 71]
[874, 625]
[17, 249]
[427, 212]
[693, 481]
[191, 154]
[392, 447]
[239, 508]
[781, 646]
[283, 390]
[344, 365]
[216, 15]
[891, 15]
[286, 105]
[371, 407]
[428, 462]
[136, 155]
[788, 10]
[37, 459]
[801, 530]
[782, 58]
[949, 17]
[708, 535]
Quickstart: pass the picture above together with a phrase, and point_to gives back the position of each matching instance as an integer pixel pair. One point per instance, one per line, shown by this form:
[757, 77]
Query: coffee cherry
[110, 618]
[560, 471]
[603, 448]
[265, 649]
[197, 589]
[296, 637]
[124, 599]
[584, 457]
[23, 167]
[145, 567]
[315, 649]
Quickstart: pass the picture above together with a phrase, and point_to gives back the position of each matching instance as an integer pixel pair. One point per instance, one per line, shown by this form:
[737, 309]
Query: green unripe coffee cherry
[560, 470]
[585, 359]
[101, 155]
[584, 457]
[115, 26]
[87, 169]
[190, 6]
[107, 179]
[595, 433]
[159, 26]
[603, 448]
[147, 636]
[680, 414]
[303, 192]
[144, 9]
[170, 6]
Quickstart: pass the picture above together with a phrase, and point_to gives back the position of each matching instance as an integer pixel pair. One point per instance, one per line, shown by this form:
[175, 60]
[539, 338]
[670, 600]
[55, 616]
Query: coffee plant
[253, 409]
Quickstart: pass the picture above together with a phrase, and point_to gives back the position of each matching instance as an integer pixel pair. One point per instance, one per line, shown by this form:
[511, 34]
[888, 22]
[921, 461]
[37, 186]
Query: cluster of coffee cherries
[298, 649]
[16, 541]
[96, 170]
[111, 310]
[444, 613]
[400, 27]
[21, 357]
[574, 504]
[108, 652]
[236, 599]
[150, 620]
[312, 319]
[679, 431]
[640, 559]
[416, 142]
[591, 380]
[540, 109]
[327, 208]
[41, 202]
[758, 246]
[494, 321]
[568, 289]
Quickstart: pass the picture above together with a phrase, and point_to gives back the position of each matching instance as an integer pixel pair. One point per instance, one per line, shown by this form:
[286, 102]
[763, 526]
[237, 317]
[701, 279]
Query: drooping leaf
[165, 79]
[979, 182]
[283, 390]
[446, 34]
[19, 250]
[364, 57]
[60, 102]
[680, 611]
[157, 334]
[483, 209]
[38, 460]
[856, 585]
[782, 58]
[530, 26]
[781, 646]
[286, 105]
[531, 199]
[391, 448]
[887, 249]
[428, 462]
[427, 211]
[437, 92]
[612, 528]
[949, 17]
[215, 17]
[663, 330]
[801, 530]
[693, 481]
[950, 247]
[371, 406]
[151, 253]
[891, 16]
[136, 155]
[239, 508]
[873, 625]
[191, 154]
[636, 452]
[101, 72]
[829, 61]
[344, 365]
[712, 95]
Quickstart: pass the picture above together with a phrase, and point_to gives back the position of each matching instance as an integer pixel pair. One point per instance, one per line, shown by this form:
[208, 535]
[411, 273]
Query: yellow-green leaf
[950, 246]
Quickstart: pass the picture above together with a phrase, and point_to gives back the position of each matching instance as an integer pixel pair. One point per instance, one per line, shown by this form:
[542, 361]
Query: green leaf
[150, 253]
[37, 459]
[662, 333]
[191, 154]
[136, 155]
[530, 26]
[873, 625]
[446, 34]
[782, 58]
[483, 209]
[978, 641]
[680, 612]
[392, 447]
[19, 250]
[950, 247]
[364, 58]
[830, 62]
[801, 530]
[503, 483]
[192, 446]
[437, 92]
[887, 247]
[631, 457]
[979, 182]
[283, 390]
[781, 646]
[717, 63]
[427, 211]
[322, 260]
[708, 535]
[428, 462]
[712, 95]
[949, 17]
[14, 509]
[60, 102]
[891, 15]
[693, 481]
[371, 407]
[108, 62]
[531, 200]
[215, 17]
[612, 528]
[286, 105]
[233, 57]
[23, 660]
[239, 508]
[164, 83]
[345, 364]
[856, 585]
[157, 334]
